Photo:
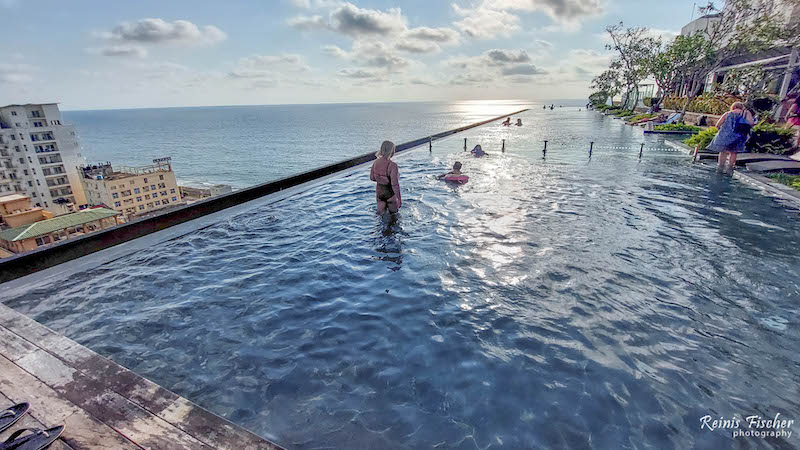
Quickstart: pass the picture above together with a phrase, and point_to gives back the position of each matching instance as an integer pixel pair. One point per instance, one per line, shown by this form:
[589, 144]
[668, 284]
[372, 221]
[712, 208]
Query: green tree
[634, 47]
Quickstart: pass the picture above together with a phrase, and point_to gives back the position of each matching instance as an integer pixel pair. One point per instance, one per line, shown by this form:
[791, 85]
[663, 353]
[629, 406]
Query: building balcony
[50, 161]
[55, 183]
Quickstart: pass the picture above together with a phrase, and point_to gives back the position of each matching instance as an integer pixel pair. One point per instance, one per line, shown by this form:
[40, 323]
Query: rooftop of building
[12, 198]
[48, 226]
[27, 104]
[107, 172]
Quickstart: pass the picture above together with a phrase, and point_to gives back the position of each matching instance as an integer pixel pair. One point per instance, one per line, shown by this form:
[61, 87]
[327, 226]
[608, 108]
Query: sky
[89, 54]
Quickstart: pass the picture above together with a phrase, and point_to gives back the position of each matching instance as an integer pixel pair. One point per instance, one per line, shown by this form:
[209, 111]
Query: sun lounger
[775, 166]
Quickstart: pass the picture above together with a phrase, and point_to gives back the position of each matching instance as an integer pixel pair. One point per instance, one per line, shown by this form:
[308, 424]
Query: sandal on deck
[36, 439]
[12, 415]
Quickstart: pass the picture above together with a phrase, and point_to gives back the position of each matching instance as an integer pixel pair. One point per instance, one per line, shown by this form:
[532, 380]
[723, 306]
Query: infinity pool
[565, 302]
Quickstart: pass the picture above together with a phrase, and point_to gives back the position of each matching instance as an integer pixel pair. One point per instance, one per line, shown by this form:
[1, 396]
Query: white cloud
[438, 35]
[157, 31]
[17, 73]
[486, 23]
[353, 21]
[558, 10]
[127, 51]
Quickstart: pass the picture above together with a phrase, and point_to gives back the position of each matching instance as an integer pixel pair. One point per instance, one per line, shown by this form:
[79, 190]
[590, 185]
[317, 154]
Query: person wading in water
[384, 173]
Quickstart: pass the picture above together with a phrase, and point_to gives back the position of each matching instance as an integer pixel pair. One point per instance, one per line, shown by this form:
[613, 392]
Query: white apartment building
[132, 190]
[39, 156]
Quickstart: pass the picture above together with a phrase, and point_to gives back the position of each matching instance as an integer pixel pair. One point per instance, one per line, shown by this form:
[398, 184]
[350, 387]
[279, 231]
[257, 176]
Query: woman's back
[728, 139]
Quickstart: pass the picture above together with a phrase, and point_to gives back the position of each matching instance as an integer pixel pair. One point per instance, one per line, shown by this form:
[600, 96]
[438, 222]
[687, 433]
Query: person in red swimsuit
[793, 119]
[384, 172]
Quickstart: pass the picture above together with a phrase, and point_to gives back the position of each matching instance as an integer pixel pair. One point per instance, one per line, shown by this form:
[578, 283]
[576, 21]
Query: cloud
[335, 51]
[415, 46]
[306, 23]
[486, 23]
[500, 57]
[269, 67]
[353, 21]
[127, 51]
[158, 31]
[522, 69]
[438, 35]
[306, 4]
[360, 74]
[17, 73]
[559, 10]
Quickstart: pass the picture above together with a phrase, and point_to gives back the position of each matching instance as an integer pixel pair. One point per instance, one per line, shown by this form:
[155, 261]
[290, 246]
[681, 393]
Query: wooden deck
[101, 404]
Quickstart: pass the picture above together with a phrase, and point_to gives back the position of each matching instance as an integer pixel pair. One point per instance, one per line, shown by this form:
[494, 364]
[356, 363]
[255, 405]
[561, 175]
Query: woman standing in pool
[384, 172]
[734, 127]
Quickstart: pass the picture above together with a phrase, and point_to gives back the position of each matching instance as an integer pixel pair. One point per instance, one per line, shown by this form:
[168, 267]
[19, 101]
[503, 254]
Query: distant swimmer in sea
[552, 107]
[519, 122]
[384, 172]
[544, 106]
[478, 151]
[507, 122]
[455, 175]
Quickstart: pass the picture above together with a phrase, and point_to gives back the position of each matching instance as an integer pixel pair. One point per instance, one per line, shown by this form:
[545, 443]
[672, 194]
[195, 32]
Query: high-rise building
[39, 156]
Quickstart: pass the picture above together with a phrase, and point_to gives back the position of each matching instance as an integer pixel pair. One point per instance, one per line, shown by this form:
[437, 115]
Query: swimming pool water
[566, 302]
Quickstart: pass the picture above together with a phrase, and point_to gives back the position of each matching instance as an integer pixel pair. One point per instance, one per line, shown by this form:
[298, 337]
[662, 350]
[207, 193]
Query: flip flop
[12, 415]
[36, 439]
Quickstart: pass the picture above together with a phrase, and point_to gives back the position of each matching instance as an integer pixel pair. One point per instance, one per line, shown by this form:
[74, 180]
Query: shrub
[770, 138]
[623, 113]
[677, 127]
[704, 104]
[702, 139]
[639, 117]
[789, 180]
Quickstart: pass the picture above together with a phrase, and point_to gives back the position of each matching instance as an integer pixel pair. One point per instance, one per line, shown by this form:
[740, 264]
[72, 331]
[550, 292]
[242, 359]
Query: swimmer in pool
[384, 172]
[456, 172]
[478, 151]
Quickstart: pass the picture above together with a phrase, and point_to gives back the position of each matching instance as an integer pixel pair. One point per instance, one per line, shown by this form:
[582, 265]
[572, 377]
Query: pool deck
[101, 404]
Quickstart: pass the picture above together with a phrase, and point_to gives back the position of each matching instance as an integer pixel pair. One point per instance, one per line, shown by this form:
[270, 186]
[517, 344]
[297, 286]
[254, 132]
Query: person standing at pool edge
[734, 127]
[384, 172]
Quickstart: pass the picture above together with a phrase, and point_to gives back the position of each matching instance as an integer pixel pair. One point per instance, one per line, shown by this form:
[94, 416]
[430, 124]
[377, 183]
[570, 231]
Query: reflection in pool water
[568, 302]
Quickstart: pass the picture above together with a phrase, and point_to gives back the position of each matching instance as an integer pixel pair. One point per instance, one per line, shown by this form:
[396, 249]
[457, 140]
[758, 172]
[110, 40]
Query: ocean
[245, 145]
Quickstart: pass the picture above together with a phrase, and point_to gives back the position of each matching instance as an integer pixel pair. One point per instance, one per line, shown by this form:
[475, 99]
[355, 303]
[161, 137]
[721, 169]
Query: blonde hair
[387, 150]
[737, 105]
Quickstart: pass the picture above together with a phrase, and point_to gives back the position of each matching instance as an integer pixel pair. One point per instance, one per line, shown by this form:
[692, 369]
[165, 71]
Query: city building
[17, 210]
[131, 190]
[39, 156]
[29, 237]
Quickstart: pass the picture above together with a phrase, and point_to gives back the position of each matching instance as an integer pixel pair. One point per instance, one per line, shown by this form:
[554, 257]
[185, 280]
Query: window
[38, 124]
[162, 185]
[128, 201]
[141, 207]
[126, 193]
[174, 199]
[163, 193]
[155, 195]
[165, 202]
[13, 137]
[158, 202]
[44, 240]
[146, 188]
[153, 187]
[145, 180]
[161, 177]
[25, 171]
[136, 191]
[30, 183]
[37, 183]
[150, 205]
[117, 204]
[147, 197]
[138, 199]
[172, 191]
[113, 187]
[16, 147]
[22, 161]
[121, 185]
[13, 113]
[115, 195]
